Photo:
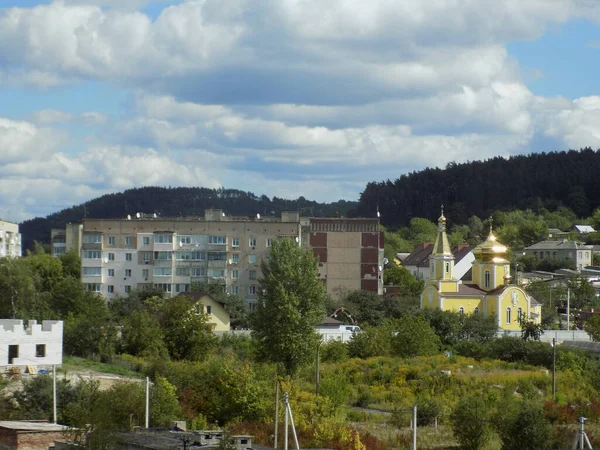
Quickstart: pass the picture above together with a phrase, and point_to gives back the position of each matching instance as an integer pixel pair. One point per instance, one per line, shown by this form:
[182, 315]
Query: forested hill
[175, 202]
[478, 188]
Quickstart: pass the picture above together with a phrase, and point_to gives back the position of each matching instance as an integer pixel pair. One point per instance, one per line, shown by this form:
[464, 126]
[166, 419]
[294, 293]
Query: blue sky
[281, 97]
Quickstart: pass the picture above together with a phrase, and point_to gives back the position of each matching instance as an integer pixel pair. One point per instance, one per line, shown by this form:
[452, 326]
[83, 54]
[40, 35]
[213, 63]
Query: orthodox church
[490, 291]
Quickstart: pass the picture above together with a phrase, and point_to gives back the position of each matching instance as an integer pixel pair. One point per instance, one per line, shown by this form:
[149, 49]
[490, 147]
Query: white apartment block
[119, 255]
[30, 344]
[10, 240]
[63, 240]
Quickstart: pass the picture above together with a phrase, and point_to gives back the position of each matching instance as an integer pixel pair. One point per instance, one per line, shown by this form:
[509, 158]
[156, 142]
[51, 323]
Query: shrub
[334, 351]
[471, 423]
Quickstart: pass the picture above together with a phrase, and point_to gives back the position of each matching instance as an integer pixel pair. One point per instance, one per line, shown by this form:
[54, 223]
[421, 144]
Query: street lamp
[554, 368]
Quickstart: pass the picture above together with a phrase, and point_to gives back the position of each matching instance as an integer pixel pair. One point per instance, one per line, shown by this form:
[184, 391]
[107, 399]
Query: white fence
[560, 335]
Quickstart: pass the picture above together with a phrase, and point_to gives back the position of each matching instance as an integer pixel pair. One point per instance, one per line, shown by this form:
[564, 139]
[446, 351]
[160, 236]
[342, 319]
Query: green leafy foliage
[291, 302]
[522, 425]
[471, 423]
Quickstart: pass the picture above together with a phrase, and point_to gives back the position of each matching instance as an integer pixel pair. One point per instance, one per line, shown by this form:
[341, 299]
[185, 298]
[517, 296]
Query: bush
[334, 351]
[523, 426]
[471, 423]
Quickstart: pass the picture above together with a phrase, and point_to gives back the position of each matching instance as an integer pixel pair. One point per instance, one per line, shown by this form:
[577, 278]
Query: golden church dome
[490, 250]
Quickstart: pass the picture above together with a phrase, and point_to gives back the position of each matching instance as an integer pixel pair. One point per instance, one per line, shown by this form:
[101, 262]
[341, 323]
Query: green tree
[413, 336]
[291, 302]
[400, 276]
[71, 264]
[471, 424]
[592, 327]
[523, 426]
[365, 306]
[531, 330]
[142, 335]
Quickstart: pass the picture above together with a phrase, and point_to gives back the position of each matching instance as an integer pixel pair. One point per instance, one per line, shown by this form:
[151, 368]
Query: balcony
[217, 264]
[89, 246]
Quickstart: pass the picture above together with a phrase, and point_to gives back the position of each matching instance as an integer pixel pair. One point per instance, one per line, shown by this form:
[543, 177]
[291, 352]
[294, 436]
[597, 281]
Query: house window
[251, 290]
[145, 240]
[182, 287]
[111, 256]
[93, 287]
[198, 256]
[487, 279]
[111, 272]
[252, 275]
[182, 271]
[127, 289]
[235, 290]
[217, 256]
[184, 240]
[208, 309]
[128, 257]
[447, 267]
[252, 259]
[146, 257]
[13, 352]
[40, 350]
[519, 315]
[269, 242]
[163, 271]
[92, 238]
[235, 258]
[235, 274]
[128, 240]
[198, 271]
[461, 310]
[110, 289]
[252, 242]
[163, 238]
[92, 254]
[235, 242]
[92, 271]
[165, 287]
[145, 273]
[508, 313]
[219, 240]
[476, 310]
[163, 256]
[127, 272]
[111, 240]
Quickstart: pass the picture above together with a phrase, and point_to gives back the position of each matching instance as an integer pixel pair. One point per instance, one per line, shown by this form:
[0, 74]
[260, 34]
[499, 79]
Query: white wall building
[10, 240]
[31, 344]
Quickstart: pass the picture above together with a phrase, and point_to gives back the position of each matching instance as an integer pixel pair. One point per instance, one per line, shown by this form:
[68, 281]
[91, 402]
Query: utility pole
[54, 392]
[276, 413]
[554, 368]
[317, 375]
[147, 402]
[568, 308]
[414, 421]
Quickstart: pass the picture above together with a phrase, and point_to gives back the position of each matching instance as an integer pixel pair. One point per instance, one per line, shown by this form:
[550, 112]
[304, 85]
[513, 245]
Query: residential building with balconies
[10, 240]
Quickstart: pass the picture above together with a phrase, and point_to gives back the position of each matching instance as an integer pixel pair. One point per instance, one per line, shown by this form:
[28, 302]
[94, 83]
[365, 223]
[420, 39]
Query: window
[13, 353]
[92, 238]
[181, 287]
[127, 289]
[162, 271]
[184, 240]
[217, 256]
[553, 254]
[111, 272]
[487, 279]
[182, 271]
[92, 271]
[93, 287]
[127, 272]
[476, 310]
[110, 289]
[208, 310]
[235, 290]
[461, 310]
[163, 238]
[252, 242]
[145, 273]
[128, 240]
[519, 315]
[146, 257]
[198, 271]
[252, 275]
[220, 240]
[128, 257]
[252, 306]
[252, 259]
[163, 256]
[269, 242]
[92, 254]
[447, 267]
[145, 240]
[217, 273]
[251, 290]
[40, 350]
[508, 312]
[235, 274]
[111, 256]
[111, 240]
[198, 256]
[165, 287]
[235, 258]
[580, 255]
[235, 242]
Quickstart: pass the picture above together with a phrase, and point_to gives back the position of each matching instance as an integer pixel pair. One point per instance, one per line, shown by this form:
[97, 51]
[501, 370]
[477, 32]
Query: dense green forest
[536, 181]
[175, 202]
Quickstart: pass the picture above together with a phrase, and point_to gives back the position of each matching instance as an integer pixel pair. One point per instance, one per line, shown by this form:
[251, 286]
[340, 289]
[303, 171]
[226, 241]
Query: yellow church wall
[448, 286]
[513, 298]
[469, 304]
[430, 298]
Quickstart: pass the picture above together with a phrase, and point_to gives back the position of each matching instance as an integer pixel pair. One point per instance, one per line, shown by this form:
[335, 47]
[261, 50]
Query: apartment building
[67, 239]
[579, 255]
[350, 253]
[119, 255]
[10, 240]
